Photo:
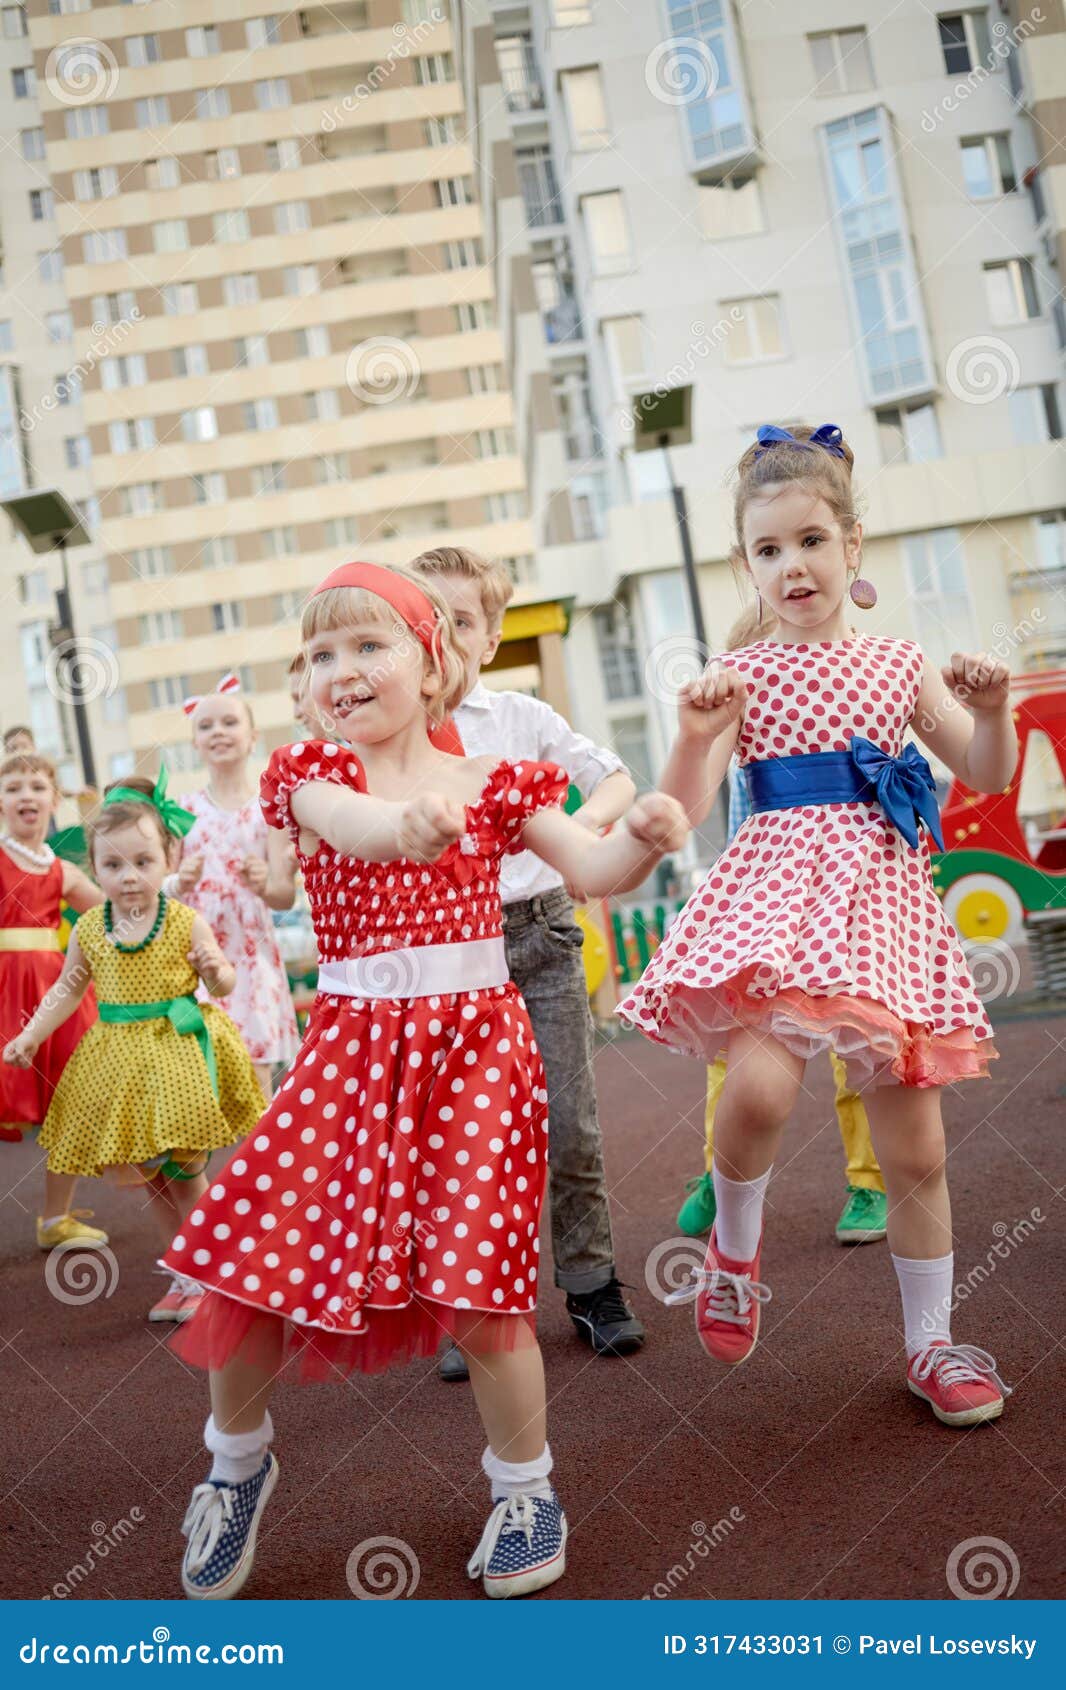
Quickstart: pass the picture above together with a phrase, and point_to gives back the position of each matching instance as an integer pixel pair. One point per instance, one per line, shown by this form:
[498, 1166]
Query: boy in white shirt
[544, 951]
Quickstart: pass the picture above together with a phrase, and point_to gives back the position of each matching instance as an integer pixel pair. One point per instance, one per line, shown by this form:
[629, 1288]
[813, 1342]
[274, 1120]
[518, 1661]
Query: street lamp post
[49, 523]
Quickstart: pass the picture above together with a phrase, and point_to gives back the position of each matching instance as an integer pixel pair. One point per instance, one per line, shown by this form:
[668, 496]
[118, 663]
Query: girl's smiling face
[221, 731]
[27, 800]
[799, 558]
[131, 864]
[369, 681]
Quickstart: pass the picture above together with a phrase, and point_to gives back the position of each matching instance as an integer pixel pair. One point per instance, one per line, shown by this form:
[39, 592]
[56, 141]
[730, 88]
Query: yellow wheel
[981, 906]
[594, 953]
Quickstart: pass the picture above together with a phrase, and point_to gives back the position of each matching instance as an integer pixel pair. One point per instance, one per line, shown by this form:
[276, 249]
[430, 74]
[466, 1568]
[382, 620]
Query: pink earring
[863, 593]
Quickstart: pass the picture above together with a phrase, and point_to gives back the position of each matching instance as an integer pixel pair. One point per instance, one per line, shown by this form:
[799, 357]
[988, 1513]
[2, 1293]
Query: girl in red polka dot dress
[391, 1193]
[818, 925]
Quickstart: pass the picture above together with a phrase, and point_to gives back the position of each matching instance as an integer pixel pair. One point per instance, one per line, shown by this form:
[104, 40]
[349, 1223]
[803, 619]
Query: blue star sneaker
[523, 1546]
[221, 1526]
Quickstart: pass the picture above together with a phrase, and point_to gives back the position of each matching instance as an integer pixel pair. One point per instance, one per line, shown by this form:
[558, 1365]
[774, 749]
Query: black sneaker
[452, 1365]
[605, 1321]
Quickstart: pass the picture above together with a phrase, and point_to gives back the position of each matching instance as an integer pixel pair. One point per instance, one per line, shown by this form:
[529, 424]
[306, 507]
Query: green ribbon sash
[185, 1016]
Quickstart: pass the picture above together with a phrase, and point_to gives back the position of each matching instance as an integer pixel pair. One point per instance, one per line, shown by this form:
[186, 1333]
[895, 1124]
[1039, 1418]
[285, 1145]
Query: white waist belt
[418, 971]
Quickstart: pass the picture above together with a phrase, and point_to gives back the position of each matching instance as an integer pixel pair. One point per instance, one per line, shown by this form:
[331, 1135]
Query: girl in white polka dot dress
[818, 925]
[391, 1193]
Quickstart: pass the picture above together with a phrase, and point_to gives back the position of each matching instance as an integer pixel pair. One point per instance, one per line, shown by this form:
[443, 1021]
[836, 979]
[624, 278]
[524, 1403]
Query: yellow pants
[863, 1168]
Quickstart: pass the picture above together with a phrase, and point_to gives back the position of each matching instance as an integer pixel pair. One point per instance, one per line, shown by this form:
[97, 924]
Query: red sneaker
[179, 1303]
[727, 1295]
[959, 1382]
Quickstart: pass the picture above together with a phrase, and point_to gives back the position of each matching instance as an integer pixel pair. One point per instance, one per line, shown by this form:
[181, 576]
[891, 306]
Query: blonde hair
[110, 818]
[29, 762]
[821, 472]
[493, 582]
[344, 607]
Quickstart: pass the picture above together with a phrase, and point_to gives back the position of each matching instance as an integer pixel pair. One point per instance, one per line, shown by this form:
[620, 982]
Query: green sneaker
[699, 1208]
[864, 1218]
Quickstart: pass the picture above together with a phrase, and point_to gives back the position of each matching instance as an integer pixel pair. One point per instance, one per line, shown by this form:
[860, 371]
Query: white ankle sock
[926, 1289]
[738, 1226]
[237, 1455]
[515, 1478]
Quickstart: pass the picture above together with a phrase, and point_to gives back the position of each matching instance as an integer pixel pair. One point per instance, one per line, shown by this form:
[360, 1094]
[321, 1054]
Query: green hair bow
[176, 820]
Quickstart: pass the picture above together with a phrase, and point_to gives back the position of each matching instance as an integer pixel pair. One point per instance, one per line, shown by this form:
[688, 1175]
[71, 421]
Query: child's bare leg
[156, 1191]
[240, 1391]
[761, 1085]
[908, 1134]
[508, 1388]
[58, 1194]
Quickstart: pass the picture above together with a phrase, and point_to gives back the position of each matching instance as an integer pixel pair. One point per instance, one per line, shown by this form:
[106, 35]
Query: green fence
[637, 934]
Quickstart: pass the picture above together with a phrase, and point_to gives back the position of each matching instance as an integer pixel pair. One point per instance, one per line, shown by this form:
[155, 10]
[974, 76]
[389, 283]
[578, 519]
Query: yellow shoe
[70, 1229]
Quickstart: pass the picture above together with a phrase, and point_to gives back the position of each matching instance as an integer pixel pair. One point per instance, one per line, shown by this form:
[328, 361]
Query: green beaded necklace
[141, 943]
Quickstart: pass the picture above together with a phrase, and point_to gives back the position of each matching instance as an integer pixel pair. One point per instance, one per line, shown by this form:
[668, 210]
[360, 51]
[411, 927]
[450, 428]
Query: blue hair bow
[827, 435]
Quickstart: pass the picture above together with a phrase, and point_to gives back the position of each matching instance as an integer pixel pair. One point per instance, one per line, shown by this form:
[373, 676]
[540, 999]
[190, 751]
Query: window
[159, 626]
[24, 81]
[462, 255]
[494, 442]
[262, 32]
[1010, 289]
[289, 605]
[540, 189]
[189, 360]
[619, 659]
[201, 42]
[504, 507]
[260, 414]
[199, 424]
[731, 208]
[713, 114]
[59, 327]
[141, 498]
[607, 232]
[626, 350]
[227, 618]
[940, 593]
[324, 406]
[223, 165]
[131, 434]
[333, 467]
[162, 173]
[342, 531]
[519, 75]
[755, 330]
[908, 434]
[241, 290]
[50, 266]
[230, 226]
[153, 111]
[114, 307]
[99, 184]
[142, 50]
[964, 41]
[171, 690]
[171, 235]
[570, 13]
[7, 339]
[477, 315]
[32, 142]
[267, 478]
[585, 109]
[96, 577]
[434, 67]
[15, 25]
[279, 542]
[987, 167]
[455, 190]
[218, 552]
[76, 451]
[1034, 415]
[180, 299]
[151, 561]
[104, 246]
[573, 401]
[250, 352]
[440, 131]
[42, 204]
[300, 278]
[1051, 540]
[210, 103]
[841, 59]
[483, 378]
[312, 342]
[283, 155]
[83, 122]
[209, 489]
[648, 475]
[273, 94]
[292, 218]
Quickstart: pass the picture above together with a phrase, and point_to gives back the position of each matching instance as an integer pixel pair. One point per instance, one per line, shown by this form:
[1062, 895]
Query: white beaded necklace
[44, 858]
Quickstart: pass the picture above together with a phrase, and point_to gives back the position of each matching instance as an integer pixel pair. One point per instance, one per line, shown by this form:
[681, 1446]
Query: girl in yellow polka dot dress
[160, 1080]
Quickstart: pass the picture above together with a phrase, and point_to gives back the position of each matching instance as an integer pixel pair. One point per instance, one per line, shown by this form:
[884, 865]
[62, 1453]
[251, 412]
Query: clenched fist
[711, 703]
[428, 825]
[21, 1051]
[981, 682]
[189, 872]
[658, 821]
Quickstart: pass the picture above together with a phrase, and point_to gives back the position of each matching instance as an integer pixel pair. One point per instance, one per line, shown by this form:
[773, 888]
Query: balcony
[523, 90]
[562, 323]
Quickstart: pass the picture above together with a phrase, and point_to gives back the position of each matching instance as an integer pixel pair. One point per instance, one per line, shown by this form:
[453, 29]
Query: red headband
[406, 598]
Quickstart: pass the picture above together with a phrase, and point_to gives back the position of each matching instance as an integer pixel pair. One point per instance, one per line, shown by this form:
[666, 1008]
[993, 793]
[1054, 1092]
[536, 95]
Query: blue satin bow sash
[903, 786]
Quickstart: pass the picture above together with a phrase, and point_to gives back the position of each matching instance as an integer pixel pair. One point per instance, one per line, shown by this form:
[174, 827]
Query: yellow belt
[29, 939]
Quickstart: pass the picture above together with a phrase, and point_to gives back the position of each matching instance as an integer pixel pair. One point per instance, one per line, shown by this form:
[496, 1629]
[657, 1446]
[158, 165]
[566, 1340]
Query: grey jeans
[544, 956]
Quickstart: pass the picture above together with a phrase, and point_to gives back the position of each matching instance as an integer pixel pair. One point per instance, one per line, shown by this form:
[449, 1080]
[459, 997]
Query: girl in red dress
[819, 926]
[391, 1193]
[34, 882]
